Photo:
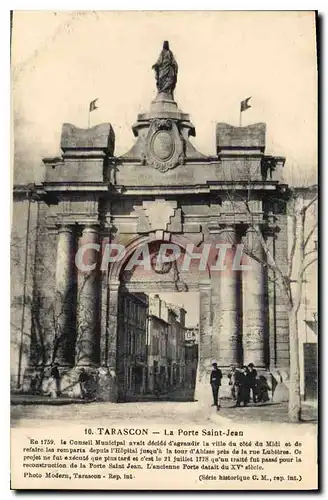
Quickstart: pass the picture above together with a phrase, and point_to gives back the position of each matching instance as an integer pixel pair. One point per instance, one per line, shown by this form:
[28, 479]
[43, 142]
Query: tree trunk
[294, 405]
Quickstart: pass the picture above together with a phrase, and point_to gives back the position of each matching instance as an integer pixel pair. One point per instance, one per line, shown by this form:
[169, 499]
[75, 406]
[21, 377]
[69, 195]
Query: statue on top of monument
[166, 71]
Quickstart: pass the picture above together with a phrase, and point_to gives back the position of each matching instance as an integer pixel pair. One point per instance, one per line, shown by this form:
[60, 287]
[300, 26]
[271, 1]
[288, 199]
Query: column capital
[250, 229]
[228, 233]
[65, 228]
[205, 285]
[253, 242]
[217, 226]
[114, 285]
[228, 227]
[89, 228]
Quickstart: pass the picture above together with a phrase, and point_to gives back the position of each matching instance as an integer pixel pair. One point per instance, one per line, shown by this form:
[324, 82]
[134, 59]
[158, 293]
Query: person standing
[215, 381]
[242, 383]
[55, 375]
[232, 376]
[84, 384]
[252, 375]
[262, 390]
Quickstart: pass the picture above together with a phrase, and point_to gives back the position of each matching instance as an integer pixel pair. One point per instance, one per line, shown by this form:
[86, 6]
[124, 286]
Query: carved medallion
[164, 146]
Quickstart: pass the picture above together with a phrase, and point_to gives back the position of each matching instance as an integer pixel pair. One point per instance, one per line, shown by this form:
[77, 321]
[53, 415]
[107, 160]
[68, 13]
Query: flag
[244, 104]
[92, 105]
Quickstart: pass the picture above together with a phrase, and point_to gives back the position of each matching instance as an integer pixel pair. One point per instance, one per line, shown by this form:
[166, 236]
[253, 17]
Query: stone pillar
[230, 331]
[114, 366]
[64, 296]
[254, 304]
[104, 317]
[87, 342]
[202, 387]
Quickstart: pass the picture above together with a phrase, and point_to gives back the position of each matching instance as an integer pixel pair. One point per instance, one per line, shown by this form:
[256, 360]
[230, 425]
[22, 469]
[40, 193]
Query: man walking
[215, 381]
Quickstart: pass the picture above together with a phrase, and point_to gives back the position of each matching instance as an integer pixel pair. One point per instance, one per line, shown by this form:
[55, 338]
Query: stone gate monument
[161, 190]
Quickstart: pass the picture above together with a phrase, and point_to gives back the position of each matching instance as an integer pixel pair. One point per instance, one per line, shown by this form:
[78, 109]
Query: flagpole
[240, 117]
[89, 117]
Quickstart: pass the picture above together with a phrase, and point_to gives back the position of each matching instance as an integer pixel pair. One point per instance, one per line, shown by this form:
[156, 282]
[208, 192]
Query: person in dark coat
[252, 374]
[55, 375]
[242, 384]
[262, 390]
[84, 384]
[215, 381]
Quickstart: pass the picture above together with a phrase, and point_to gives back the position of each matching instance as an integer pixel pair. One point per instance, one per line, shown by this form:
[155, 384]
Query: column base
[102, 385]
[280, 385]
[203, 391]
[107, 389]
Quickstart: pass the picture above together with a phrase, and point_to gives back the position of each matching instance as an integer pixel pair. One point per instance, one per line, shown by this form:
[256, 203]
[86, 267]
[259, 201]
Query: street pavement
[116, 414]
[157, 412]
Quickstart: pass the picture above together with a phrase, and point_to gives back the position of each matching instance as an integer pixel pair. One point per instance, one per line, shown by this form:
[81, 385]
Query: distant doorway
[157, 333]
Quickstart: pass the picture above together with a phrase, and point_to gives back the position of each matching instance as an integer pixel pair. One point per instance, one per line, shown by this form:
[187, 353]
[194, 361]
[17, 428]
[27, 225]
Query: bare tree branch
[306, 207]
[306, 266]
[293, 247]
[310, 252]
[307, 239]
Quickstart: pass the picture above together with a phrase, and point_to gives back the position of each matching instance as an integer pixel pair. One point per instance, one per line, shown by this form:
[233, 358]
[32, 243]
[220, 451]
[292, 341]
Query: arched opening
[158, 323]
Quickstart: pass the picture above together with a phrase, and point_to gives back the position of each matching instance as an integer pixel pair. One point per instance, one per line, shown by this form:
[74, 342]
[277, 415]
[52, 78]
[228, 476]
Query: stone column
[87, 342]
[202, 389]
[254, 304]
[229, 334]
[64, 296]
[117, 377]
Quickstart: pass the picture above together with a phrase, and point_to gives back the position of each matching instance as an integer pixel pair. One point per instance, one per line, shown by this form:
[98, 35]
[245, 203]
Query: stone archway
[130, 286]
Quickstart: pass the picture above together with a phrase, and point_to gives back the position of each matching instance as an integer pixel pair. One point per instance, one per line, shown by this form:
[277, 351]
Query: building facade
[166, 346]
[132, 349]
[176, 318]
[191, 356]
[161, 191]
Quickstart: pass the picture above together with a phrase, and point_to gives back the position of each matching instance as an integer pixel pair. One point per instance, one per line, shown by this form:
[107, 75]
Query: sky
[63, 60]
[189, 301]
